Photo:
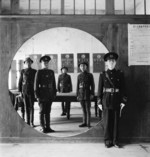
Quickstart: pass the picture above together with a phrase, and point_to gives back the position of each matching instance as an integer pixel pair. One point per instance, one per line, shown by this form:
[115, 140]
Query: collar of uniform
[111, 70]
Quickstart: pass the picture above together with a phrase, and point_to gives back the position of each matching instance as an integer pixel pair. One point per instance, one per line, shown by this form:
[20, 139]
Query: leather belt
[111, 90]
[46, 86]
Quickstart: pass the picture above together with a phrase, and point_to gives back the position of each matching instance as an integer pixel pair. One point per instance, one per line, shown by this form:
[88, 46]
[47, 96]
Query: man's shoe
[68, 116]
[108, 144]
[49, 130]
[43, 130]
[117, 145]
[32, 125]
[82, 125]
[63, 114]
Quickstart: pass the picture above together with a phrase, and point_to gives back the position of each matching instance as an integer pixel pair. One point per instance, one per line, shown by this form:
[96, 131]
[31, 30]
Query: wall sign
[98, 62]
[68, 61]
[53, 64]
[139, 44]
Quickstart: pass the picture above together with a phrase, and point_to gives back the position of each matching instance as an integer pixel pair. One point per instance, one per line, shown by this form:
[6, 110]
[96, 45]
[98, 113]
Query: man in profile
[45, 92]
[26, 89]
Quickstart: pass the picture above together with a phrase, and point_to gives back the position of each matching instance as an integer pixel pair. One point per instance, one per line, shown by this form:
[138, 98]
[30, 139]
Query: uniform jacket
[45, 85]
[26, 81]
[85, 86]
[64, 83]
[107, 99]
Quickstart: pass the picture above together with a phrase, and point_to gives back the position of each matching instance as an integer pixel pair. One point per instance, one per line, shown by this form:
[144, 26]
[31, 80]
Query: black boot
[48, 129]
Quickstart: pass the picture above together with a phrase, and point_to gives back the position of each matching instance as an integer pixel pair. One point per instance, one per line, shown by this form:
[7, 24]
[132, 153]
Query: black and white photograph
[75, 78]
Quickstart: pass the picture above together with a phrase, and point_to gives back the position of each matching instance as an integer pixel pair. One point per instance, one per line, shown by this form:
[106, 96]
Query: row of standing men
[42, 86]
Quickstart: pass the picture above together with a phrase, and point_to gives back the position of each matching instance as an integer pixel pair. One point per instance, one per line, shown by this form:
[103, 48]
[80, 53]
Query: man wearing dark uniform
[111, 98]
[26, 88]
[45, 92]
[85, 93]
[65, 86]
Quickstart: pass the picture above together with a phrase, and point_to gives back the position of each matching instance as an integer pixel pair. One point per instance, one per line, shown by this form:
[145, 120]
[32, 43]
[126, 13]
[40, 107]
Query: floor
[73, 150]
[62, 126]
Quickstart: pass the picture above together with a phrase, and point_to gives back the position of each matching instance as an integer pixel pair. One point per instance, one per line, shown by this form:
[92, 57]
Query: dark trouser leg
[88, 112]
[68, 109]
[84, 112]
[115, 129]
[41, 114]
[108, 118]
[27, 108]
[32, 110]
[47, 113]
[63, 107]
[23, 111]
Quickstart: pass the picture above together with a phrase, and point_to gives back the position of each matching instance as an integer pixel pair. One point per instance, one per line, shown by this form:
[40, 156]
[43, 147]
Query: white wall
[63, 40]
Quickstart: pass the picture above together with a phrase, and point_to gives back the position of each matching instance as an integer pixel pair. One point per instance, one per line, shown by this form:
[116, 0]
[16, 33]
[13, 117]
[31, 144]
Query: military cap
[28, 59]
[64, 67]
[85, 63]
[110, 55]
[45, 58]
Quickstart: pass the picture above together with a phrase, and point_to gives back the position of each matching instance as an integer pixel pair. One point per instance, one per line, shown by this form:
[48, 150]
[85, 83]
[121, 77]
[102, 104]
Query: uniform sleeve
[92, 85]
[20, 81]
[54, 83]
[36, 84]
[58, 84]
[100, 88]
[123, 89]
[77, 89]
[70, 83]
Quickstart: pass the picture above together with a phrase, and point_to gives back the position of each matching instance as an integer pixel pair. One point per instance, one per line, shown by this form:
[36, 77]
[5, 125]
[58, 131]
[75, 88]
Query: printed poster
[139, 44]
[98, 62]
[53, 64]
[68, 61]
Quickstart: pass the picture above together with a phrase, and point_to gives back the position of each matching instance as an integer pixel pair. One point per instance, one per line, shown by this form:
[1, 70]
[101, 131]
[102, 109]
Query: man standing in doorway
[85, 93]
[26, 88]
[65, 86]
[45, 92]
[111, 98]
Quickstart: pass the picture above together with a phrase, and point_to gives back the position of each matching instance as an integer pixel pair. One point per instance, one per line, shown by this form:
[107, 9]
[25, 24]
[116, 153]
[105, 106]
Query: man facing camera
[65, 86]
[85, 93]
[111, 99]
[45, 92]
[26, 89]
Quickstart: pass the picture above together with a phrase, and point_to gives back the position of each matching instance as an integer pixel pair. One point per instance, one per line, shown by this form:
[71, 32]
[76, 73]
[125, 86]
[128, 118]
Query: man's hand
[100, 106]
[122, 105]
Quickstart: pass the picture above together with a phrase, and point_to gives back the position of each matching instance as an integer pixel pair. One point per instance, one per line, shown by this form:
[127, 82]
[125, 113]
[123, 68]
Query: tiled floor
[73, 150]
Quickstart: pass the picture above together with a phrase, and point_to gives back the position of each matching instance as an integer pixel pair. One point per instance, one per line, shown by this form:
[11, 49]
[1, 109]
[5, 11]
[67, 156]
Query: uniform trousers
[29, 108]
[111, 121]
[66, 107]
[86, 108]
[45, 109]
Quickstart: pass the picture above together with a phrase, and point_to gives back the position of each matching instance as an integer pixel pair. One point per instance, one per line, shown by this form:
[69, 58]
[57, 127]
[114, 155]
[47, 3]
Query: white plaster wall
[63, 40]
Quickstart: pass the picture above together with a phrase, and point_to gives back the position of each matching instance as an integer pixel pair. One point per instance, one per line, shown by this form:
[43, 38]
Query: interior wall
[135, 120]
[60, 40]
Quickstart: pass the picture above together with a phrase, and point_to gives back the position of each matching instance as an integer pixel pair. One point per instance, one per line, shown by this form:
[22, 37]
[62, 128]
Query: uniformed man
[45, 92]
[85, 92]
[111, 98]
[65, 86]
[26, 89]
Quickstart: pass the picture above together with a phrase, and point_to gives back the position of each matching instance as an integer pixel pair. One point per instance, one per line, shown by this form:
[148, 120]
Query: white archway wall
[63, 40]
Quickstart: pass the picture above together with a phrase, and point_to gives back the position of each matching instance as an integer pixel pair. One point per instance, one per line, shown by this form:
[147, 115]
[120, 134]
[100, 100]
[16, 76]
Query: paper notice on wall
[138, 44]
